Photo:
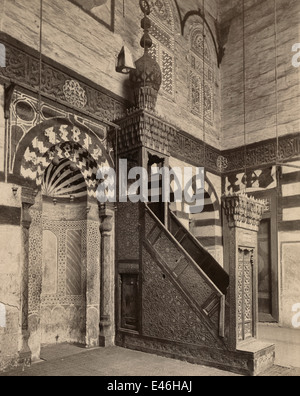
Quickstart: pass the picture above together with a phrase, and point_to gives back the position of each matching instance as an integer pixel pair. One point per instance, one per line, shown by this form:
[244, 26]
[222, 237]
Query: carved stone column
[28, 199]
[242, 219]
[107, 328]
[93, 276]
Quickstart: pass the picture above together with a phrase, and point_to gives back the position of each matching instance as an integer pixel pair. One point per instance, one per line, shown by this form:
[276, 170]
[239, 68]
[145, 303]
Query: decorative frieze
[263, 153]
[145, 128]
[75, 94]
[23, 69]
[142, 128]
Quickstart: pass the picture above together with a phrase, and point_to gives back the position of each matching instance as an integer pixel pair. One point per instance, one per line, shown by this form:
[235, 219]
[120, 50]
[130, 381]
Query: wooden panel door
[129, 302]
[265, 269]
[268, 288]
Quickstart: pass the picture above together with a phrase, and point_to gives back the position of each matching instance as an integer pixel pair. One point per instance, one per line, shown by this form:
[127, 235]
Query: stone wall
[260, 71]
[90, 48]
[205, 226]
[10, 275]
[280, 188]
[289, 243]
[262, 114]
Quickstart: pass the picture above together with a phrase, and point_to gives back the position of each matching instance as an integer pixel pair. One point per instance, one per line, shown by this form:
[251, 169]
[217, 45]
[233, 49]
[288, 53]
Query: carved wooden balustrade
[191, 268]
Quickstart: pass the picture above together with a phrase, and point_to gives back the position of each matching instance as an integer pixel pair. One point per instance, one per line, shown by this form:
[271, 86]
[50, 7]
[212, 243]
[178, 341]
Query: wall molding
[104, 106]
[22, 68]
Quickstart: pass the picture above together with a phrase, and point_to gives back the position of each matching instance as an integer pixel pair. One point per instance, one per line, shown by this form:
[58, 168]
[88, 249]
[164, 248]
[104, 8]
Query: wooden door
[268, 294]
[129, 302]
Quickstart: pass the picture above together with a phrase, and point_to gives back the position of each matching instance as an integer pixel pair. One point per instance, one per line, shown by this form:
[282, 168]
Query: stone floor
[287, 343]
[68, 360]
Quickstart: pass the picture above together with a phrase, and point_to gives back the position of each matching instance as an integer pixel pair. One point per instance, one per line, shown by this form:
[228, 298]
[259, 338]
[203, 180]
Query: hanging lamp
[125, 62]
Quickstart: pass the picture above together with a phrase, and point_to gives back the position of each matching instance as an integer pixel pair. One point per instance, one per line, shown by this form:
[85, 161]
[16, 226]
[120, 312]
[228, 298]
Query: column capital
[106, 214]
[28, 196]
[92, 211]
[243, 211]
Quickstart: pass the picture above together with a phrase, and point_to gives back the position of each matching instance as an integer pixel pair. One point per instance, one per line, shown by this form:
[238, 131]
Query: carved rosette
[243, 211]
[75, 94]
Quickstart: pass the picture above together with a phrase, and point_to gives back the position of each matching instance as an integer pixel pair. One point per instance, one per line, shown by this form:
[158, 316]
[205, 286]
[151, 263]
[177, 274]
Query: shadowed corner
[2, 55]
[90, 4]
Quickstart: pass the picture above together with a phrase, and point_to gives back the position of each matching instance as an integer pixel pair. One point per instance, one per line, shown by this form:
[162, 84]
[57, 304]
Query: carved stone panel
[245, 294]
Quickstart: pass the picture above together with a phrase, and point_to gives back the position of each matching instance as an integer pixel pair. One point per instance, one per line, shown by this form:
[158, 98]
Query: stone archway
[45, 158]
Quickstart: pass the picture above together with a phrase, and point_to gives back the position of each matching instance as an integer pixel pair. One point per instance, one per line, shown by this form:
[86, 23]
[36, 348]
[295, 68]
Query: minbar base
[251, 359]
[261, 356]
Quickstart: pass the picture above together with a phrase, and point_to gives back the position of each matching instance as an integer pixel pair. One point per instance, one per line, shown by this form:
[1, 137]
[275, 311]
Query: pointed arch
[65, 140]
[219, 50]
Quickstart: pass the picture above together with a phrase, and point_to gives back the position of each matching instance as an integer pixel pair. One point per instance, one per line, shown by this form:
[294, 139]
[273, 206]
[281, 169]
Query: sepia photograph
[150, 191]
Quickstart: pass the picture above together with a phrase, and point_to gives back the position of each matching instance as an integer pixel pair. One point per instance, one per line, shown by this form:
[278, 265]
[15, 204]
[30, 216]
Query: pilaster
[107, 300]
[28, 199]
[242, 217]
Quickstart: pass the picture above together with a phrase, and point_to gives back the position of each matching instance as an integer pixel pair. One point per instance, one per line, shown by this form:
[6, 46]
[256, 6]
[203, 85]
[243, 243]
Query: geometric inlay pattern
[73, 270]
[60, 181]
[64, 141]
[245, 294]
[68, 234]
[201, 79]
[175, 321]
[75, 94]
[162, 33]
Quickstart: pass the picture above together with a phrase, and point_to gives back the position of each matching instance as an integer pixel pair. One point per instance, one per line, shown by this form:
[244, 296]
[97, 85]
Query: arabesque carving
[243, 211]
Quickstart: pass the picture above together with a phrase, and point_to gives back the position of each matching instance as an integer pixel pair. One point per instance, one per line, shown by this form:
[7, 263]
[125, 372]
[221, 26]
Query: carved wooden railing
[197, 286]
[199, 254]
